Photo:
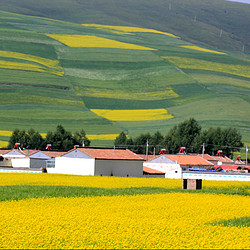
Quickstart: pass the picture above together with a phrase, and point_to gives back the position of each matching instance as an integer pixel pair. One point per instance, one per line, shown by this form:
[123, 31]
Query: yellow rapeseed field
[94, 41]
[3, 144]
[28, 67]
[190, 63]
[133, 115]
[127, 29]
[102, 137]
[158, 221]
[201, 49]
[122, 94]
[84, 181]
[44, 61]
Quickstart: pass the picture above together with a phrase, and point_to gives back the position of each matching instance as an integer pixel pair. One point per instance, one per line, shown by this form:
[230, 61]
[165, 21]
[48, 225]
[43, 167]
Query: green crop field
[54, 70]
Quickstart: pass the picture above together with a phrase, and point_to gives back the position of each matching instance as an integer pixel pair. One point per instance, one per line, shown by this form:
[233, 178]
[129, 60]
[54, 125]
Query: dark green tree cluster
[60, 139]
[187, 134]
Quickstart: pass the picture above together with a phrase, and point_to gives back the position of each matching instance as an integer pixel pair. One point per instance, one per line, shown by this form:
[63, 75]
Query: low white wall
[76, 166]
[216, 177]
[21, 163]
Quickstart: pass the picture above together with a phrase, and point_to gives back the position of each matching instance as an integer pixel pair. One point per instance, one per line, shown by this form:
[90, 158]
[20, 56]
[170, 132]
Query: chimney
[220, 153]
[76, 146]
[182, 150]
[17, 145]
[48, 146]
[163, 151]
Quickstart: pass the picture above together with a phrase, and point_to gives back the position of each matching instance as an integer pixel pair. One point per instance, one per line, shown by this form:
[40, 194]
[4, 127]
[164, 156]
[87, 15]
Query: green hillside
[217, 23]
[106, 79]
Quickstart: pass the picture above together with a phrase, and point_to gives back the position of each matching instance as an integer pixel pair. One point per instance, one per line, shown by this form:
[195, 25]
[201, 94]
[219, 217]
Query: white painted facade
[79, 163]
[171, 169]
[217, 176]
[21, 163]
[76, 166]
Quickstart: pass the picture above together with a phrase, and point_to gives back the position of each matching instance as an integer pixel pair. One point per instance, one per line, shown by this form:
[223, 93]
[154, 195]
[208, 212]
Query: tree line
[189, 134]
[60, 139]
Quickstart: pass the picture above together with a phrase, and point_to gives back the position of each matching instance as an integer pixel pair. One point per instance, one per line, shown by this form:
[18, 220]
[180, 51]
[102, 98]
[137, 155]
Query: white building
[99, 161]
[163, 164]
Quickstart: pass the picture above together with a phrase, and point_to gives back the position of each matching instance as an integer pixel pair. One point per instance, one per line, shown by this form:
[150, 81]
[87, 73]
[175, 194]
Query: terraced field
[106, 79]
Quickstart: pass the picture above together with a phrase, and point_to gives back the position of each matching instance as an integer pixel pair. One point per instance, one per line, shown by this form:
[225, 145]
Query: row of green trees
[187, 134]
[59, 139]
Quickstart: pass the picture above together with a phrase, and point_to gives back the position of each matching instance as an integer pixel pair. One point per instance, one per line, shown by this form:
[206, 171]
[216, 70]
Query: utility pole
[246, 154]
[220, 32]
[147, 151]
[203, 149]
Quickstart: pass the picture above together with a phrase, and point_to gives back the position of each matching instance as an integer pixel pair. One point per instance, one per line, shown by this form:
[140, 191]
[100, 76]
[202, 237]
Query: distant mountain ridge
[217, 23]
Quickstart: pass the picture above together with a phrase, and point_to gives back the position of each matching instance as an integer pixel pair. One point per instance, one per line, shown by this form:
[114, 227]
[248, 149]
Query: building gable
[161, 159]
[75, 153]
[39, 155]
[13, 154]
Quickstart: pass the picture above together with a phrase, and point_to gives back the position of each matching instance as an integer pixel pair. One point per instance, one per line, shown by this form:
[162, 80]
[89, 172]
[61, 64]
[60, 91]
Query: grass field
[118, 213]
[58, 72]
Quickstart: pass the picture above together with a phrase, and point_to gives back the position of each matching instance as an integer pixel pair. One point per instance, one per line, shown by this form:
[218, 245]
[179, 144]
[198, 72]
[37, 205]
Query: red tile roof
[4, 151]
[53, 154]
[207, 157]
[189, 160]
[152, 171]
[226, 166]
[110, 154]
[223, 159]
[150, 157]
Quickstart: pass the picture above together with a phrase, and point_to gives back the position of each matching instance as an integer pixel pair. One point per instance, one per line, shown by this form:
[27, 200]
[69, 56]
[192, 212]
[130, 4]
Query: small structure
[99, 161]
[192, 184]
[163, 164]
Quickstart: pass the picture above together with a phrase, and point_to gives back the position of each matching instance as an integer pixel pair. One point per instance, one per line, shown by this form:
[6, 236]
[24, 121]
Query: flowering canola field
[191, 63]
[94, 42]
[127, 29]
[158, 221]
[153, 221]
[201, 49]
[41, 64]
[133, 115]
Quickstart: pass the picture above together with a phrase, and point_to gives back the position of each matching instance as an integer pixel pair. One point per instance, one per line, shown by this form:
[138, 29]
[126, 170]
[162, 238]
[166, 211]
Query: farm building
[17, 158]
[162, 163]
[99, 161]
[189, 161]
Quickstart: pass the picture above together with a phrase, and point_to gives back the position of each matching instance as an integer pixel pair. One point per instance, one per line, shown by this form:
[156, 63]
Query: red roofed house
[190, 161]
[99, 161]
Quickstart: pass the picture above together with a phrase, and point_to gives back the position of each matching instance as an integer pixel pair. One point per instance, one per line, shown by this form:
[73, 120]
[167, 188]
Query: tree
[35, 140]
[182, 135]
[81, 139]
[156, 142]
[140, 143]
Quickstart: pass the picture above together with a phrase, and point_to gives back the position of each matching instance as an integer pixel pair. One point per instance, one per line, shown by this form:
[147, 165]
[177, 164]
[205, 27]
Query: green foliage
[182, 135]
[64, 140]
[18, 192]
[60, 139]
[30, 140]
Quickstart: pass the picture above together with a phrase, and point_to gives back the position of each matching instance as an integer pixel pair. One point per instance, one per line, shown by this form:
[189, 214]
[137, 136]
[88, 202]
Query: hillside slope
[217, 23]
[106, 78]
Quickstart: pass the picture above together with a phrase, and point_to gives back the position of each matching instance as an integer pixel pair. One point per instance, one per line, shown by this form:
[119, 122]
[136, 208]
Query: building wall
[37, 163]
[5, 163]
[77, 166]
[21, 163]
[172, 171]
[119, 168]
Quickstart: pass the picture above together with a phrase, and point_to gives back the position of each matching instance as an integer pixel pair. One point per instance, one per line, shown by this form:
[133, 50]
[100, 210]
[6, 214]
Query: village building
[162, 163]
[99, 161]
